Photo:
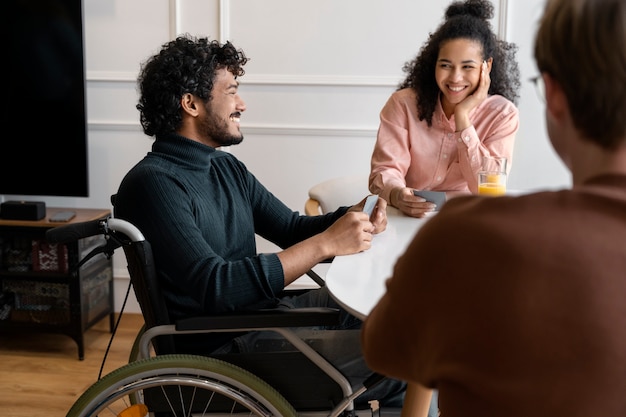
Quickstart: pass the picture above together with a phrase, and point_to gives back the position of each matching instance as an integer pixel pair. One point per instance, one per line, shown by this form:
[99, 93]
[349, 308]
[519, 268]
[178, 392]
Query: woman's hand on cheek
[462, 110]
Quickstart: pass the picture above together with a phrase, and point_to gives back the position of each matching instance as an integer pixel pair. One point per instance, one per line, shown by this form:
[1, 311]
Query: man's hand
[378, 218]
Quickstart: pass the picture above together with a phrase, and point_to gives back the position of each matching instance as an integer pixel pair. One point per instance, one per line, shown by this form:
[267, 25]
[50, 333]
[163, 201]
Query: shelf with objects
[42, 288]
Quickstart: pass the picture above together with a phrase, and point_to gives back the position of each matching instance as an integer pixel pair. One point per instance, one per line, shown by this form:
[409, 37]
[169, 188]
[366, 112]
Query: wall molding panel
[252, 129]
[269, 80]
[320, 80]
[113, 126]
[503, 18]
[283, 130]
[111, 76]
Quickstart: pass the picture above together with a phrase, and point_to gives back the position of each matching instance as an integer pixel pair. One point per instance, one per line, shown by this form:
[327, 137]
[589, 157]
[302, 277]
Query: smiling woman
[462, 75]
[456, 105]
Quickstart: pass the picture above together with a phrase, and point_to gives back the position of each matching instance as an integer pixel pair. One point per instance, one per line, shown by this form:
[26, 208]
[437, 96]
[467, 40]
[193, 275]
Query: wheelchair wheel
[134, 351]
[180, 385]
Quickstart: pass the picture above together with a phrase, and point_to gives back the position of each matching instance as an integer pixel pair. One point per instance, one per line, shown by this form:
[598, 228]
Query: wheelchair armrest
[295, 317]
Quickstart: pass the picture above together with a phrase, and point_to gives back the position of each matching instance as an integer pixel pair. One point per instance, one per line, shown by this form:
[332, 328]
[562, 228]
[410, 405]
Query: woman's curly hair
[463, 20]
[184, 65]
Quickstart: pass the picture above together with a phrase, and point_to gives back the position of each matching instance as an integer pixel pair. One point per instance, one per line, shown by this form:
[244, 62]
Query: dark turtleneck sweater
[200, 209]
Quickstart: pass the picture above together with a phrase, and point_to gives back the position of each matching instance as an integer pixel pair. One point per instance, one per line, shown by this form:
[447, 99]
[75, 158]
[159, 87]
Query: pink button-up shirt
[408, 153]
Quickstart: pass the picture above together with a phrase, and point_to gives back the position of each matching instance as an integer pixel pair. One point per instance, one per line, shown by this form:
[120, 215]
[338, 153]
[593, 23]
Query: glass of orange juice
[492, 176]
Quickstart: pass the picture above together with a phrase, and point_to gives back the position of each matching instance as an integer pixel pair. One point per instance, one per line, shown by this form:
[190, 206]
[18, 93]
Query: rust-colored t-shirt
[513, 306]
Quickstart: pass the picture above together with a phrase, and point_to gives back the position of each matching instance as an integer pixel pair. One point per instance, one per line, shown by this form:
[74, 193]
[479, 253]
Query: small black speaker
[23, 210]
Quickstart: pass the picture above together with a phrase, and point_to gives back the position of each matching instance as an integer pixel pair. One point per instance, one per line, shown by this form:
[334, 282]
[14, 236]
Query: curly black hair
[467, 20]
[185, 65]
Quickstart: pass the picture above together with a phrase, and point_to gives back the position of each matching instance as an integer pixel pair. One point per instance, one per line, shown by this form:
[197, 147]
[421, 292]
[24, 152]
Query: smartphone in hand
[436, 197]
[370, 203]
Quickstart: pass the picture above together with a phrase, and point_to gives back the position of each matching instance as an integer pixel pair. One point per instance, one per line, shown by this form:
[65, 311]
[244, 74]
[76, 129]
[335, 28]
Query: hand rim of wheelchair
[241, 386]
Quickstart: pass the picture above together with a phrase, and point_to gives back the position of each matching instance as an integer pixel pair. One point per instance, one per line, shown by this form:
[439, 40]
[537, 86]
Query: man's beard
[228, 139]
[217, 130]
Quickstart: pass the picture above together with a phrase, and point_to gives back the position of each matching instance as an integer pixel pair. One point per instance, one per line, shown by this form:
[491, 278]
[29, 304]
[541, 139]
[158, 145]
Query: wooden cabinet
[41, 288]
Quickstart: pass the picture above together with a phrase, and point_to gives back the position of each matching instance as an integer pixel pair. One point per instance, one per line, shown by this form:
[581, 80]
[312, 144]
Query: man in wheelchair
[200, 209]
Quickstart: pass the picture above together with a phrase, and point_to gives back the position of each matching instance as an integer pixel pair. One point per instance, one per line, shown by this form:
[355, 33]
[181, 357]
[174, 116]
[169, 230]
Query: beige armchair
[328, 195]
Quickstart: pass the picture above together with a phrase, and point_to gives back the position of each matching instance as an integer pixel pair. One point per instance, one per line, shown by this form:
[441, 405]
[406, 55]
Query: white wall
[319, 73]
[535, 164]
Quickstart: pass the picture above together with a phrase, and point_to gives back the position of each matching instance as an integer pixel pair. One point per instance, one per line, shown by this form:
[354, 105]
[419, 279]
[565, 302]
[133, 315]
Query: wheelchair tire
[181, 382]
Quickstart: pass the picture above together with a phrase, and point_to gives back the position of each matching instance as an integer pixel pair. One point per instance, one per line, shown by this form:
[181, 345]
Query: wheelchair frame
[176, 383]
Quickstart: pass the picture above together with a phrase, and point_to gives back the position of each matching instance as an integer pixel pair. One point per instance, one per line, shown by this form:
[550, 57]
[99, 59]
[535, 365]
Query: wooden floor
[41, 376]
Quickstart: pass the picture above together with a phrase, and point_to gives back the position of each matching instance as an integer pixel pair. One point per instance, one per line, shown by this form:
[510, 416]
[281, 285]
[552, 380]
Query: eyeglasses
[540, 87]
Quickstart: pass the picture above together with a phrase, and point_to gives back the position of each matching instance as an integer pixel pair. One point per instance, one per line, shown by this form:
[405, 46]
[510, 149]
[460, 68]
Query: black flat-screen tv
[45, 152]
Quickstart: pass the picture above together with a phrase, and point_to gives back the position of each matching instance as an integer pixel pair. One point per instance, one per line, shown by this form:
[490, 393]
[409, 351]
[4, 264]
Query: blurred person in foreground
[530, 318]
